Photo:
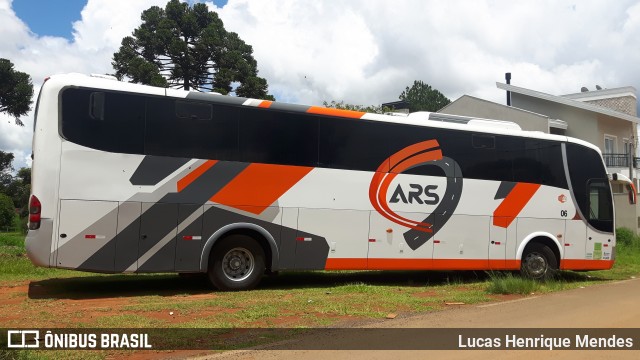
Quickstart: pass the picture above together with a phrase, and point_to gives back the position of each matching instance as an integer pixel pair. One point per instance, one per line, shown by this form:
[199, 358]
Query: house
[604, 117]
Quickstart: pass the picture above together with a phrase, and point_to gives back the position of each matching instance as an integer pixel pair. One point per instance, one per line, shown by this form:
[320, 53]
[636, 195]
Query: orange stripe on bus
[413, 150]
[420, 264]
[265, 104]
[259, 185]
[580, 264]
[511, 206]
[196, 173]
[345, 264]
[335, 112]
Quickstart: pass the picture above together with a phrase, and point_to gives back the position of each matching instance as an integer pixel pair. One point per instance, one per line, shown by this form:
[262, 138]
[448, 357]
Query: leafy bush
[625, 236]
[24, 225]
[7, 213]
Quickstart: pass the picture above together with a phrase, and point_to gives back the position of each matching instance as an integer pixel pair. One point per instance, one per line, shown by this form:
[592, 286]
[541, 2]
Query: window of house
[625, 145]
[609, 144]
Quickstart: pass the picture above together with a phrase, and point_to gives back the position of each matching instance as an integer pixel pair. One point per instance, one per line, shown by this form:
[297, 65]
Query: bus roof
[427, 119]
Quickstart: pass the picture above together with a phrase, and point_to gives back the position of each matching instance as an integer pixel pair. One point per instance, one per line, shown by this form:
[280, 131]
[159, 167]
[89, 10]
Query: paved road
[614, 305]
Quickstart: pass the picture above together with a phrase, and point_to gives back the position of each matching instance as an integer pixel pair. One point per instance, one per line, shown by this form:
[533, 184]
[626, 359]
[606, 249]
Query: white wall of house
[471, 106]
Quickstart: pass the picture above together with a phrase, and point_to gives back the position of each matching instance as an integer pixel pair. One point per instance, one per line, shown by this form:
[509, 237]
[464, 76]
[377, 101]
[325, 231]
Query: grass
[15, 265]
[290, 300]
[627, 265]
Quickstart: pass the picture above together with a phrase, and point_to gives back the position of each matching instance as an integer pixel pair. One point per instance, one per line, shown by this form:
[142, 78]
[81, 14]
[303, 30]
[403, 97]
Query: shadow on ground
[132, 285]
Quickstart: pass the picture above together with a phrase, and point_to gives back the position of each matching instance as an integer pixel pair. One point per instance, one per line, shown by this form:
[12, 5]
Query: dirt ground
[68, 303]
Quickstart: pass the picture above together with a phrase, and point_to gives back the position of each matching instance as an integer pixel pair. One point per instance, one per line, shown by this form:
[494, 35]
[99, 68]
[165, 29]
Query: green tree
[16, 91]
[19, 190]
[7, 212]
[343, 106]
[6, 158]
[422, 97]
[188, 47]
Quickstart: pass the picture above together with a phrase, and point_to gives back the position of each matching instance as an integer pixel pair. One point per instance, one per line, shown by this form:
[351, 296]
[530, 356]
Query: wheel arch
[262, 236]
[543, 238]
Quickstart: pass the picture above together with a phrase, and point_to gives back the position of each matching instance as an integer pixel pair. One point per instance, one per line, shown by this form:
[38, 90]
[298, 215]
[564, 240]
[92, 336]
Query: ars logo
[426, 153]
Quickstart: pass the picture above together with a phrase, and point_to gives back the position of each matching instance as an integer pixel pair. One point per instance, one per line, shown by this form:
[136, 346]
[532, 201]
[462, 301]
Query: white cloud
[97, 36]
[368, 51]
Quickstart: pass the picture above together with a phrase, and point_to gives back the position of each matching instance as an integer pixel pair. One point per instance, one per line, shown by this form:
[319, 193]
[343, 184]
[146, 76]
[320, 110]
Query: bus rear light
[35, 209]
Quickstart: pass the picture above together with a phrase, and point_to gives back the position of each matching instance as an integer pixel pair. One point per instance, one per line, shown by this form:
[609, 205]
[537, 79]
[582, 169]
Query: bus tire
[538, 262]
[236, 263]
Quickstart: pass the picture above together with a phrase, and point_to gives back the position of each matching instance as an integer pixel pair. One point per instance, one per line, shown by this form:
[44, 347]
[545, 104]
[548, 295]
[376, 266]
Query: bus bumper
[38, 243]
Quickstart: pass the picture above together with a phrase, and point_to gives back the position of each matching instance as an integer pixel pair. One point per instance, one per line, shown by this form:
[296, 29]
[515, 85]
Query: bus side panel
[157, 247]
[128, 236]
[189, 241]
[462, 244]
[87, 227]
[574, 240]
[528, 226]
[497, 246]
[388, 249]
[287, 241]
[281, 227]
[345, 230]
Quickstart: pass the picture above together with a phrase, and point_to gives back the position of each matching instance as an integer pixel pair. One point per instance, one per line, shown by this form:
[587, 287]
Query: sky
[358, 51]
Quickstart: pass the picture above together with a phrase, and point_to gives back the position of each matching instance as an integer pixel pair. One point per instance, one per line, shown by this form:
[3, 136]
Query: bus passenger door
[85, 235]
[157, 246]
[388, 249]
[600, 238]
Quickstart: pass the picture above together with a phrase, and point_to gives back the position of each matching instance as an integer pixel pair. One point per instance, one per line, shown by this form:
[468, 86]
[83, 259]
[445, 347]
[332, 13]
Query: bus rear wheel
[236, 263]
[538, 262]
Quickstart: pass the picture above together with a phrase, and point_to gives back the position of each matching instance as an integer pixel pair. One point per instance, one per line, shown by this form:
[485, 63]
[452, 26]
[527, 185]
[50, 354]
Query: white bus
[133, 178]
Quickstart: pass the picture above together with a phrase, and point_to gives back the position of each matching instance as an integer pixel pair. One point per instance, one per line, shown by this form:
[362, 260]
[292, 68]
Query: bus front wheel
[236, 263]
[538, 262]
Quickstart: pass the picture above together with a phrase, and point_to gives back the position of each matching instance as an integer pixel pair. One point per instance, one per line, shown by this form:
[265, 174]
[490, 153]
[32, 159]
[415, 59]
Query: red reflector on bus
[89, 236]
[566, 244]
[372, 240]
[300, 238]
[187, 237]
[605, 245]
[498, 243]
[436, 241]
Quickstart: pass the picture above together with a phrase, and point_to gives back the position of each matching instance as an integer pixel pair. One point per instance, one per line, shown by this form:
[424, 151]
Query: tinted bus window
[275, 137]
[181, 129]
[356, 144]
[107, 121]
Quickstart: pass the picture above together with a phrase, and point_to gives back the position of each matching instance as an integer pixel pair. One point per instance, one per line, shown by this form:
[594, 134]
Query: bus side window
[96, 105]
[483, 141]
[193, 110]
[600, 203]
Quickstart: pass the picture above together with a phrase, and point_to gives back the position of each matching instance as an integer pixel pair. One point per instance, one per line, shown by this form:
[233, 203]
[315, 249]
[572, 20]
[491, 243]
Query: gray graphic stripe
[198, 192]
[153, 169]
[164, 241]
[504, 189]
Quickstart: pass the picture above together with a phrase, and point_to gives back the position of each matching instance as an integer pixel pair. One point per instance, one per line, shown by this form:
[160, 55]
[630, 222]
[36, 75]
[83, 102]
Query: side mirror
[631, 191]
[617, 178]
